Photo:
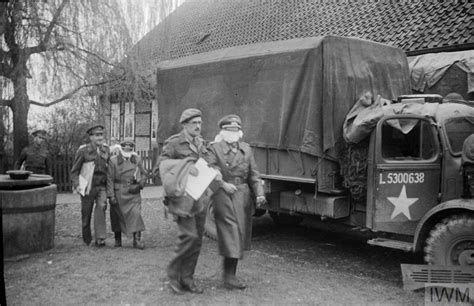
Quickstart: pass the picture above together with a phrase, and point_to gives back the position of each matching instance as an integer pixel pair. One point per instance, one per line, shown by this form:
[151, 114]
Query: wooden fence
[61, 169]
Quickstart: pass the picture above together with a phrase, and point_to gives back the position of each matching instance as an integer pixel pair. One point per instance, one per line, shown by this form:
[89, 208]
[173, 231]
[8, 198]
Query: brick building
[418, 27]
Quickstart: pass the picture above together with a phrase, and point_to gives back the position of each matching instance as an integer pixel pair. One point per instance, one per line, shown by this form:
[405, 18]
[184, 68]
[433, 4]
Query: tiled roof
[204, 25]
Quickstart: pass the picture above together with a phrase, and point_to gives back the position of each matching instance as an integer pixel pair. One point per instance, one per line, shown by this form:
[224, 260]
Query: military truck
[299, 100]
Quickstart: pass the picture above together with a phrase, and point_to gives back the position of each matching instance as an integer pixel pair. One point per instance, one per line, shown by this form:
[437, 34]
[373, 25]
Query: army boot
[137, 241]
[230, 280]
[118, 239]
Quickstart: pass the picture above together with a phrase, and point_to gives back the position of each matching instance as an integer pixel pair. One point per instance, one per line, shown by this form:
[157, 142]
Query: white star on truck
[402, 204]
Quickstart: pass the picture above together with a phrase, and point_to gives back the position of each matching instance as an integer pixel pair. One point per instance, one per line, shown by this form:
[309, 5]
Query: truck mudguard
[435, 215]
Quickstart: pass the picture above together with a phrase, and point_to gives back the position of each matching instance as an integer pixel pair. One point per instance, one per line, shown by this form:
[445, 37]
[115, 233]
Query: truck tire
[451, 242]
[281, 219]
[210, 229]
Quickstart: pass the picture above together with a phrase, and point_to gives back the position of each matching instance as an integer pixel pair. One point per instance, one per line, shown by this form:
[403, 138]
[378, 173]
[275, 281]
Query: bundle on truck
[335, 136]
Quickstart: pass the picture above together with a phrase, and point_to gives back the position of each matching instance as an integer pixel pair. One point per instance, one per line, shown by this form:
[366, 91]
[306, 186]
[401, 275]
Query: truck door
[406, 174]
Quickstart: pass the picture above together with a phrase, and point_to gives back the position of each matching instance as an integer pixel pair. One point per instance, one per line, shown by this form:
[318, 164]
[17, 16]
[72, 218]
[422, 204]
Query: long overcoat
[233, 212]
[122, 175]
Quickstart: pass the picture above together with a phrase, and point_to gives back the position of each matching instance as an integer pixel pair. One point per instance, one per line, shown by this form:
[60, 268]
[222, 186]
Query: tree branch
[42, 45]
[5, 102]
[54, 21]
[5, 70]
[69, 94]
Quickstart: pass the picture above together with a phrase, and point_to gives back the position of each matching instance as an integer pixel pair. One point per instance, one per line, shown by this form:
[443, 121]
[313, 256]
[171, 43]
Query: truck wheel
[451, 242]
[210, 229]
[285, 219]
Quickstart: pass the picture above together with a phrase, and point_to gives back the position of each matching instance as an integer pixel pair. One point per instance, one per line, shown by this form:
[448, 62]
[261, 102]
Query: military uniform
[186, 144]
[233, 210]
[35, 157]
[125, 178]
[100, 156]
[191, 229]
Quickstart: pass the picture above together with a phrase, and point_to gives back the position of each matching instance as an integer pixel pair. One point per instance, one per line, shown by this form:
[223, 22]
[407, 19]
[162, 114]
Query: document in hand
[85, 178]
[196, 185]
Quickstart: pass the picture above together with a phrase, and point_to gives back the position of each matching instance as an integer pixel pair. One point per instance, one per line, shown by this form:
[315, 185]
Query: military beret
[41, 133]
[230, 122]
[127, 142]
[189, 114]
[95, 128]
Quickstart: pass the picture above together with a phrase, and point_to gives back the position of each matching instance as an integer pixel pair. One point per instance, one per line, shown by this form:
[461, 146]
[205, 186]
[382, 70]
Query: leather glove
[261, 201]
[134, 189]
[229, 188]
[113, 201]
[193, 171]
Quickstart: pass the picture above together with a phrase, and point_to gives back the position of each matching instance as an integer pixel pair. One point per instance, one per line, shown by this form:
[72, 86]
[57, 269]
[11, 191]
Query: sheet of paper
[81, 189]
[85, 178]
[196, 185]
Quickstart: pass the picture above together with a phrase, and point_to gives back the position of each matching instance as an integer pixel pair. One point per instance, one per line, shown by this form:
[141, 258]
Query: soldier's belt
[125, 182]
[236, 180]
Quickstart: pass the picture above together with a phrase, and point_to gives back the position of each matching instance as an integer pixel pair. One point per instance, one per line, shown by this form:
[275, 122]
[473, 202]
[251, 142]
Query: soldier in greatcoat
[233, 201]
[35, 158]
[125, 178]
[93, 156]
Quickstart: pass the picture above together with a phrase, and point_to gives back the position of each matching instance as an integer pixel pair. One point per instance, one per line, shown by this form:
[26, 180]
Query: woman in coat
[233, 202]
[126, 177]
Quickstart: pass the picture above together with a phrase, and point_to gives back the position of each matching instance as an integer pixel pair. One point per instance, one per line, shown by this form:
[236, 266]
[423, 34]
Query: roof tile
[410, 25]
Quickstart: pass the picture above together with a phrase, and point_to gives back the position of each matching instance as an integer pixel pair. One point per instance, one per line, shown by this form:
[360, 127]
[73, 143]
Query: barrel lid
[34, 180]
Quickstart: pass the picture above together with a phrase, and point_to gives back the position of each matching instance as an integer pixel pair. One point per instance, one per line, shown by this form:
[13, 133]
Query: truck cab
[415, 183]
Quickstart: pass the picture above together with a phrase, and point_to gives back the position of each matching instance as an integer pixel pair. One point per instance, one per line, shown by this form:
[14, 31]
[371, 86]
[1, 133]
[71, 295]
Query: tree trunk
[20, 108]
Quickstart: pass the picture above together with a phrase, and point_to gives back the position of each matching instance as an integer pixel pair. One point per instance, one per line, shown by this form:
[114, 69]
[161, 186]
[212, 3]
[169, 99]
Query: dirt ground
[287, 266]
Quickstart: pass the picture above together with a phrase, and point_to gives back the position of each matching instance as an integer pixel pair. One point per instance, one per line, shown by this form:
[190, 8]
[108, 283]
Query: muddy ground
[290, 265]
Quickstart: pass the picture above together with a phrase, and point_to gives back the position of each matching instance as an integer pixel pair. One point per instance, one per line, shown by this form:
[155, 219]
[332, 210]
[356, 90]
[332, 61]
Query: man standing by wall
[35, 158]
[188, 143]
[89, 178]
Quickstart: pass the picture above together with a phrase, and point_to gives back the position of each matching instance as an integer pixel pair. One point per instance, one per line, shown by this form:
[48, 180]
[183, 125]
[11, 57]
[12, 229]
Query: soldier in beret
[90, 163]
[35, 158]
[188, 143]
[125, 178]
[234, 208]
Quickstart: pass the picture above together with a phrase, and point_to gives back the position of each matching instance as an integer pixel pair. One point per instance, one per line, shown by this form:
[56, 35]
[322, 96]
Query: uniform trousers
[98, 195]
[191, 230]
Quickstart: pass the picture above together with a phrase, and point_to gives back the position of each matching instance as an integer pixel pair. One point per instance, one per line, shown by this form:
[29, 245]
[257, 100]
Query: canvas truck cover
[291, 95]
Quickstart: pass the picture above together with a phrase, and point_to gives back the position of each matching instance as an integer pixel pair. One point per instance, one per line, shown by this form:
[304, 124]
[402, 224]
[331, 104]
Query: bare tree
[77, 41]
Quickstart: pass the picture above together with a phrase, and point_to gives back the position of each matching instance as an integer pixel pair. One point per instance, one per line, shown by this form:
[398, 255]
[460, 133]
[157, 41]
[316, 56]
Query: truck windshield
[457, 130]
[416, 144]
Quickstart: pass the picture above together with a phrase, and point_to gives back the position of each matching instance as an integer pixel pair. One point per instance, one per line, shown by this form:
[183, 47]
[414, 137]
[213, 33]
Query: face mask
[125, 154]
[231, 136]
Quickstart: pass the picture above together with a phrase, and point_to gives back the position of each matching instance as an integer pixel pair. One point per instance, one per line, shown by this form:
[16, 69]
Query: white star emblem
[402, 204]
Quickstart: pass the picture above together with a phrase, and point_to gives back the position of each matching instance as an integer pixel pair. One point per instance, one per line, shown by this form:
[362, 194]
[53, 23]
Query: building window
[154, 120]
[129, 120]
[115, 120]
